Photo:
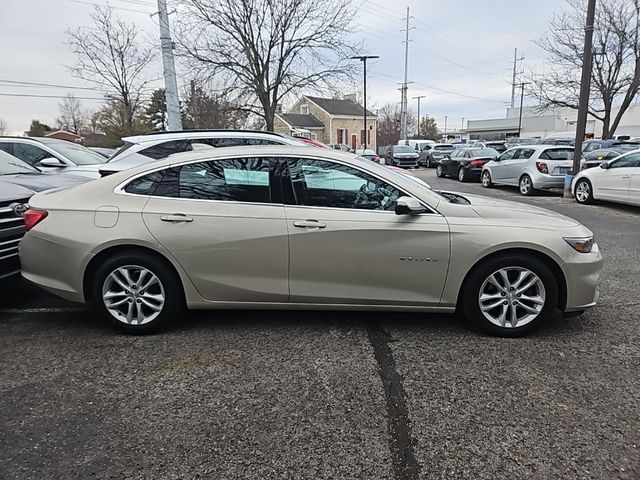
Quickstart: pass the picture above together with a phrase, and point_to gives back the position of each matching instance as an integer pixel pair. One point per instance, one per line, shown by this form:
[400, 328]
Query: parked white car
[616, 180]
[530, 168]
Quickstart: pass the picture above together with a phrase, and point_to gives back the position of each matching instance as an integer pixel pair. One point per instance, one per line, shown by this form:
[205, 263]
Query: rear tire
[584, 192]
[506, 297]
[462, 175]
[486, 179]
[439, 171]
[119, 292]
[525, 186]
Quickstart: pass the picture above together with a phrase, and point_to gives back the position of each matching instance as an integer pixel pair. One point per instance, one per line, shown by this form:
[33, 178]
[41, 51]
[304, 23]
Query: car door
[449, 164]
[615, 183]
[223, 222]
[500, 168]
[634, 184]
[347, 245]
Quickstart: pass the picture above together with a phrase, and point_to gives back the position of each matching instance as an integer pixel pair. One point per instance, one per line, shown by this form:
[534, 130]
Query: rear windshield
[443, 147]
[483, 152]
[558, 154]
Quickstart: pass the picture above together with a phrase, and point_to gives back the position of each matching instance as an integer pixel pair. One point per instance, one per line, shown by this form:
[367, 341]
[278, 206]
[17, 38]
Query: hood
[10, 192]
[512, 212]
[88, 172]
[38, 182]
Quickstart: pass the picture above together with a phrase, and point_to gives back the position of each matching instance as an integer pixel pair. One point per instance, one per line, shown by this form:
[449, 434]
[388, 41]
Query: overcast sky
[460, 54]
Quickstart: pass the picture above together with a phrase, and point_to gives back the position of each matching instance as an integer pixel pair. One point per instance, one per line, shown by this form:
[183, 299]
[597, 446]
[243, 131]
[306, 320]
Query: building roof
[301, 120]
[65, 132]
[334, 106]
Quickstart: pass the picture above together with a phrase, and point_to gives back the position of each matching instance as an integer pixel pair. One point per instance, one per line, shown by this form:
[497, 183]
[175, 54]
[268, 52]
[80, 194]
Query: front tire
[137, 293]
[526, 186]
[439, 171]
[584, 191]
[511, 295]
[486, 179]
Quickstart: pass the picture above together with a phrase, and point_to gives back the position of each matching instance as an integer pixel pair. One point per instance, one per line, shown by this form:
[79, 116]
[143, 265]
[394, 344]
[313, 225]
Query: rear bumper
[548, 181]
[582, 271]
[474, 173]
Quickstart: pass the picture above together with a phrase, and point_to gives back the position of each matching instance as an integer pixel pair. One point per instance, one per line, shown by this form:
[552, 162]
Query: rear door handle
[309, 224]
[176, 218]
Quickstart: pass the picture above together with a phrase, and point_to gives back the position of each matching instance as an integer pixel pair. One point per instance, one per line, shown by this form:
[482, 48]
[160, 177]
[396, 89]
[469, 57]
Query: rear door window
[163, 150]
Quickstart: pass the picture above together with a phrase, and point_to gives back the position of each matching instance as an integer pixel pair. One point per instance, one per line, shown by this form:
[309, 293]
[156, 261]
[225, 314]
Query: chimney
[352, 97]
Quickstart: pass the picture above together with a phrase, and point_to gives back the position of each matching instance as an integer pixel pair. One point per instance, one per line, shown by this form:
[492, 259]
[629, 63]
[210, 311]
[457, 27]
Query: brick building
[329, 120]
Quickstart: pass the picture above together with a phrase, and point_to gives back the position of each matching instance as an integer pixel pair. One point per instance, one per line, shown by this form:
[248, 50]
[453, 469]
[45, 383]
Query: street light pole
[418, 98]
[363, 59]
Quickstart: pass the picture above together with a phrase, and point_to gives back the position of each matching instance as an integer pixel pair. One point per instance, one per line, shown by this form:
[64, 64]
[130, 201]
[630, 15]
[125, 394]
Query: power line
[37, 84]
[32, 95]
[83, 2]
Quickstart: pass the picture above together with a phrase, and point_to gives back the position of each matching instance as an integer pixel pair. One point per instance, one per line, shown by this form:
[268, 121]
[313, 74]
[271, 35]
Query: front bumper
[405, 162]
[581, 271]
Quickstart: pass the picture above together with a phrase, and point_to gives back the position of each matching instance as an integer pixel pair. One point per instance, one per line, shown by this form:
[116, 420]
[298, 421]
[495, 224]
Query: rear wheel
[137, 293]
[510, 296]
[486, 179]
[526, 185]
[462, 174]
[439, 171]
[584, 191]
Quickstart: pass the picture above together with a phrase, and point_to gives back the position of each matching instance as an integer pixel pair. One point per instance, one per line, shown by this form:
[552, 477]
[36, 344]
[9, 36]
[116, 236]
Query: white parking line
[43, 310]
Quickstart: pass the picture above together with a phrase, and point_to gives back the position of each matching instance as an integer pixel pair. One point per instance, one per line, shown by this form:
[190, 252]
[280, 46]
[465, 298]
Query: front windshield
[10, 165]
[403, 149]
[78, 154]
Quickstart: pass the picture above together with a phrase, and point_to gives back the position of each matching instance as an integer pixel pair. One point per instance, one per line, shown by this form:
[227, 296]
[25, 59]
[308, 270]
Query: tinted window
[523, 153]
[557, 154]
[163, 150]
[146, 185]
[239, 180]
[30, 153]
[631, 160]
[6, 147]
[443, 147]
[319, 183]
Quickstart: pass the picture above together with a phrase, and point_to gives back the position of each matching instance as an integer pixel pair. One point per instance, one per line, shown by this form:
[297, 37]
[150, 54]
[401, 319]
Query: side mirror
[51, 162]
[409, 206]
[605, 165]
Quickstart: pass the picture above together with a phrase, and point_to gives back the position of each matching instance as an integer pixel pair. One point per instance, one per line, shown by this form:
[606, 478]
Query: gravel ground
[306, 395]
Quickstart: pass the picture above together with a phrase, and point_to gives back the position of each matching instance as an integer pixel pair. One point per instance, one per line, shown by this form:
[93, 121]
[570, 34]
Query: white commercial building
[536, 124]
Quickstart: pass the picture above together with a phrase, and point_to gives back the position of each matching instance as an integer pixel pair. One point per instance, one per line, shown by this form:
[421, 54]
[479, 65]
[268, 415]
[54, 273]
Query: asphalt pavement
[325, 395]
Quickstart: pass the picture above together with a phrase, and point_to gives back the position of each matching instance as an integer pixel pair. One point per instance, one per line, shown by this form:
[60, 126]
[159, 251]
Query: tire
[478, 283]
[584, 192]
[525, 185]
[439, 171]
[486, 179]
[462, 175]
[164, 285]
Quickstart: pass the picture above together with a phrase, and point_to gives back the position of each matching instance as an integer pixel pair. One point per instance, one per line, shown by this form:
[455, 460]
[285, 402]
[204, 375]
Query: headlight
[582, 245]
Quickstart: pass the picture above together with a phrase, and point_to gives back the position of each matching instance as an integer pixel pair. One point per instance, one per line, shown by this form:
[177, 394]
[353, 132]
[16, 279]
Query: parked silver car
[529, 168]
[302, 228]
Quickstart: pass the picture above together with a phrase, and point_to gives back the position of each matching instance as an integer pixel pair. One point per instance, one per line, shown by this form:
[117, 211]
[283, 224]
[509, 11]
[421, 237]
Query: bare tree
[73, 117]
[615, 77]
[265, 50]
[109, 55]
[389, 131]
[206, 108]
[3, 128]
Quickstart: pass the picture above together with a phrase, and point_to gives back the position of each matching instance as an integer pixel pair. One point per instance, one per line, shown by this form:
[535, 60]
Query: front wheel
[526, 185]
[137, 293]
[584, 191]
[439, 171]
[486, 179]
[510, 296]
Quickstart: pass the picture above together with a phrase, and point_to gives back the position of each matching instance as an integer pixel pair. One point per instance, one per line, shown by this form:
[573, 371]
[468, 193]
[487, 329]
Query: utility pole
[174, 120]
[585, 85]
[521, 102]
[445, 126]
[363, 59]
[403, 104]
[515, 72]
[418, 98]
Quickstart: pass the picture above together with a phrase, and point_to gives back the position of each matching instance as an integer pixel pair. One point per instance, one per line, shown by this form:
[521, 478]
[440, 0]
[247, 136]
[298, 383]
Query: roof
[177, 135]
[301, 120]
[334, 106]
[48, 134]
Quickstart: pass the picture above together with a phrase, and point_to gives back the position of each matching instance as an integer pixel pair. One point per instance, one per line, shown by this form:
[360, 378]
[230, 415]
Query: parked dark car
[432, 154]
[593, 145]
[596, 157]
[401, 156]
[18, 182]
[465, 163]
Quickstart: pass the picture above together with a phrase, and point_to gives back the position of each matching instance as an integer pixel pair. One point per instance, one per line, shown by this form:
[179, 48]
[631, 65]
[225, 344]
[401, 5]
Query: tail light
[32, 217]
[477, 163]
[542, 167]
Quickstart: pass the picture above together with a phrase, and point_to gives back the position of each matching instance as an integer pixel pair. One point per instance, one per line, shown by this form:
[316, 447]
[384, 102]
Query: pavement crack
[405, 466]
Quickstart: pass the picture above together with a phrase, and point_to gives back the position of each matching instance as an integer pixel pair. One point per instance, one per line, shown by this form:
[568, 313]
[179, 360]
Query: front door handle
[309, 224]
[176, 218]
[627, 176]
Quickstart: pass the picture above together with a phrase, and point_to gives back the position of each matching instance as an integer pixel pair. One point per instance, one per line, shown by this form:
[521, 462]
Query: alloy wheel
[461, 174]
[512, 297]
[525, 185]
[133, 295]
[439, 172]
[486, 179]
[583, 191]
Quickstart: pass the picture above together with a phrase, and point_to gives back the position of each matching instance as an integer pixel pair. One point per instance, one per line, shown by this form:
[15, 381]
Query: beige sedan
[299, 228]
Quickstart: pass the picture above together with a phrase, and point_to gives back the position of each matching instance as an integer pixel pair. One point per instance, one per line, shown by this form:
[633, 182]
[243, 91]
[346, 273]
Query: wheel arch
[553, 265]
[101, 256]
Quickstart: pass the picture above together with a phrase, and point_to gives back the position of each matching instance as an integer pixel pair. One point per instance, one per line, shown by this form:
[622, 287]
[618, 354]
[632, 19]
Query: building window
[304, 109]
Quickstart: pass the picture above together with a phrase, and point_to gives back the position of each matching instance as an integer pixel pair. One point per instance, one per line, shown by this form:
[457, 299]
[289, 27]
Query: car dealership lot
[330, 395]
